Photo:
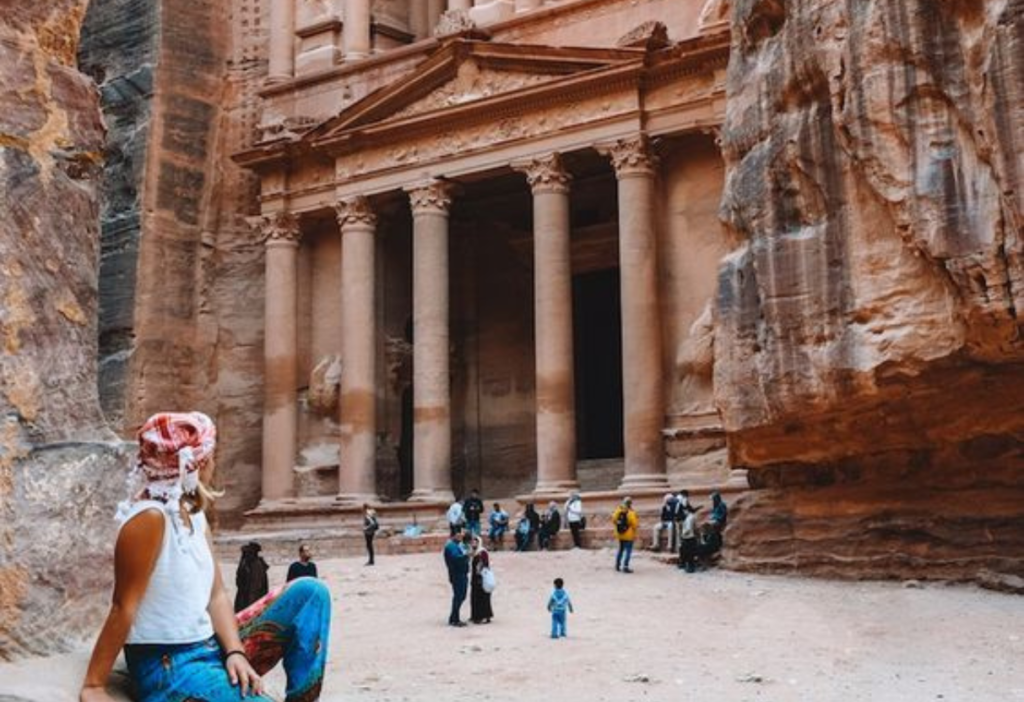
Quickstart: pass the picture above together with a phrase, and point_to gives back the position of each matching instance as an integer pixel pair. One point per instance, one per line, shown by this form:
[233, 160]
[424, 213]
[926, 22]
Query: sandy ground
[656, 634]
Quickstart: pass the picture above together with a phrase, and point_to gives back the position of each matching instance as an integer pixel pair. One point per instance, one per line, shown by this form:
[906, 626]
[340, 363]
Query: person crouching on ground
[626, 525]
[170, 609]
[457, 561]
[558, 604]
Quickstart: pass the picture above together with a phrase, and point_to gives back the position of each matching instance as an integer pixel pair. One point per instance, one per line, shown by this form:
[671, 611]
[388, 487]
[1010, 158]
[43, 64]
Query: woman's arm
[226, 627]
[136, 553]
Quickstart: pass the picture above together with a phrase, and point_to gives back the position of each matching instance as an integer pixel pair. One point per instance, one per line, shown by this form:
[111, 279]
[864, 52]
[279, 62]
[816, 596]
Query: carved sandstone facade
[482, 179]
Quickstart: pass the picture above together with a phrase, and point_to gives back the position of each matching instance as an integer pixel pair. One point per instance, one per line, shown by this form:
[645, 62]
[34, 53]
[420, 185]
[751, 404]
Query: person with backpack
[370, 527]
[577, 521]
[626, 525]
[251, 577]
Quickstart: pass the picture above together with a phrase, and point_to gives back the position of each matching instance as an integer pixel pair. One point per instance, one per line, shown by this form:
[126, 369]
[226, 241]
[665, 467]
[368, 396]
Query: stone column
[357, 477]
[419, 18]
[282, 41]
[356, 29]
[643, 389]
[435, 8]
[552, 299]
[431, 385]
[460, 4]
[280, 346]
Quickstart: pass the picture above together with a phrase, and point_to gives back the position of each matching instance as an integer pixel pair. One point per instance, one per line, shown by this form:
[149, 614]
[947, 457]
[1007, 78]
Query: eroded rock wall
[869, 360]
[61, 470]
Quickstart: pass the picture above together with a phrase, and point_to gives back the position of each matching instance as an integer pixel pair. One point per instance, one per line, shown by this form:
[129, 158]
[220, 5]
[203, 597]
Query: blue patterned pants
[292, 625]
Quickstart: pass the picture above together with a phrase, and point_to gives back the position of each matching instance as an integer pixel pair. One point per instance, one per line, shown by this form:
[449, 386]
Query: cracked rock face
[57, 484]
[868, 330]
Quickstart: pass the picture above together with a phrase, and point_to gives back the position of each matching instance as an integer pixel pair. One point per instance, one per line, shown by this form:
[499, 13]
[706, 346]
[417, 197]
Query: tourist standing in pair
[626, 525]
[251, 577]
[577, 521]
[370, 527]
[457, 562]
[170, 611]
[480, 611]
[304, 567]
[550, 524]
[473, 509]
[499, 525]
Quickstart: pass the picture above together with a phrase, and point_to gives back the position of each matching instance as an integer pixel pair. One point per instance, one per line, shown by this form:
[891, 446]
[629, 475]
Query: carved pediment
[464, 72]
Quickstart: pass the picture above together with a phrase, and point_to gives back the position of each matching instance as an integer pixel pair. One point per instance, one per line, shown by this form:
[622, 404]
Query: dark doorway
[597, 335]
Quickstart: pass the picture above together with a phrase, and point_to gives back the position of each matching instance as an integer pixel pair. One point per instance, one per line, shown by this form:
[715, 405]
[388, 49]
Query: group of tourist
[531, 526]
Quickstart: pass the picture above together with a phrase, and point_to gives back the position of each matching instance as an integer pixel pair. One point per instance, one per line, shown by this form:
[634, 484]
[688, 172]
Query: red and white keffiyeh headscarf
[173, 447]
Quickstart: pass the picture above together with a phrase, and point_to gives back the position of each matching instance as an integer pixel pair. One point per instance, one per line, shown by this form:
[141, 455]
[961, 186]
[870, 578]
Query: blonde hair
[202, 499]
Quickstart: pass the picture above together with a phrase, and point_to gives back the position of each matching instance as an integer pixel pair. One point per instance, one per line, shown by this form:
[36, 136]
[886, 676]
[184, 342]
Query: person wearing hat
[170, 610]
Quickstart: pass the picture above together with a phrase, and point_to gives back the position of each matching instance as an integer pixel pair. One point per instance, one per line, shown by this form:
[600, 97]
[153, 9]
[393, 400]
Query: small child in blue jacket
[557, 605]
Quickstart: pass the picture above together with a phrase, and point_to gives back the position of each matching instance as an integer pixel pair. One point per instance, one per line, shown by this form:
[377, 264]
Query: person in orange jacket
[626, 525]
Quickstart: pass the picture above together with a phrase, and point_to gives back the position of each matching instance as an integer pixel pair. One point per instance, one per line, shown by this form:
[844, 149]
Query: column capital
[355, 211]
[431, 196]
[545, 174]
[630, 156]
[276, 228]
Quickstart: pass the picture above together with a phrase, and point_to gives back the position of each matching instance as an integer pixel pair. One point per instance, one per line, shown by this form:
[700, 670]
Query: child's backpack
[622, 522]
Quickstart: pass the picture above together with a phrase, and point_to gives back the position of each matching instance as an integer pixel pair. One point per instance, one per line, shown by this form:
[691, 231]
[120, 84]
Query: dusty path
[657, 634]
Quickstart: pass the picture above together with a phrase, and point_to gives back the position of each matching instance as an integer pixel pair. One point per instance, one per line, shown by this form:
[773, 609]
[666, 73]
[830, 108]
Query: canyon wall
[869, 360]
[61, 470]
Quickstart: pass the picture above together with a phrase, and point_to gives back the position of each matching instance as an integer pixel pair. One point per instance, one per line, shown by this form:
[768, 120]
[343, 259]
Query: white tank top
[173, 610]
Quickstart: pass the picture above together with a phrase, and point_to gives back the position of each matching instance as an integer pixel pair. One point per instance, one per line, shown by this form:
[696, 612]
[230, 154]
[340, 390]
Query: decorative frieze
[631, 156]
[454, 22]
[545, 174]
[649, 35]
[355, 211]
[433, 196]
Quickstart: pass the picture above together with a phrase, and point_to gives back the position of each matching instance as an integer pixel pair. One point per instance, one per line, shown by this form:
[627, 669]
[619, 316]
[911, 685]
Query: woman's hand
[242, 674]
[94, 694]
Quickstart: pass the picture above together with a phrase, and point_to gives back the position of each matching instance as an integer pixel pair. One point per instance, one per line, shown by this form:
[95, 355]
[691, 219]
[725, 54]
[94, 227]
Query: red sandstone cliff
[61, 470]
[869, 359]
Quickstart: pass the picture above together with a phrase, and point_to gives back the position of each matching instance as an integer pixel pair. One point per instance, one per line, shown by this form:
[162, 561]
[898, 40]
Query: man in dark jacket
[251, 576]
[472, 508]
[550, 524]
[304, 567]
[457, 561]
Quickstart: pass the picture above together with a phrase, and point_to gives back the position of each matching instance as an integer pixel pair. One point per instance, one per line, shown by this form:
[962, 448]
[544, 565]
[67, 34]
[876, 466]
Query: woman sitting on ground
[170, 610]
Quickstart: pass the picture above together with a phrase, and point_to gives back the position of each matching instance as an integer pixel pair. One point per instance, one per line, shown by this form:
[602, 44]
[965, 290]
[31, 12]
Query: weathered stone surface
[868, 328]
[57, 488]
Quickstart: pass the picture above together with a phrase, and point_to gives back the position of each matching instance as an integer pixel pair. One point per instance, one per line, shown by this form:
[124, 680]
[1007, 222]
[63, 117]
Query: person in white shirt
[577, 521]
[456, 517]
[170, 610]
